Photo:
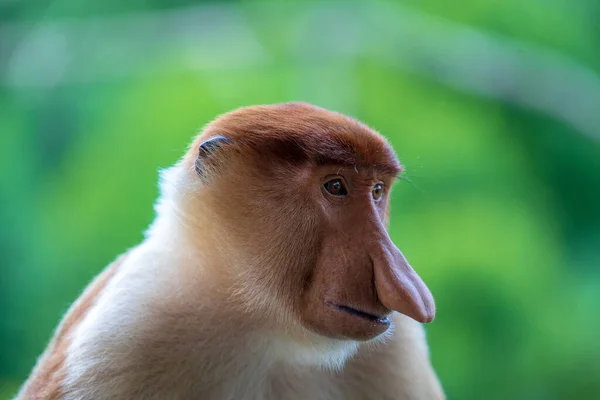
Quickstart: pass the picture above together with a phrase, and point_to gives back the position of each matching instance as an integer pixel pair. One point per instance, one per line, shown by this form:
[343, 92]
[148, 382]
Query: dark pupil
[336, 187]
[377, 191]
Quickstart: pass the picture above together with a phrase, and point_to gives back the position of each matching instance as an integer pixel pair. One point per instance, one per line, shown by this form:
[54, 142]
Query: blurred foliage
[499, 210]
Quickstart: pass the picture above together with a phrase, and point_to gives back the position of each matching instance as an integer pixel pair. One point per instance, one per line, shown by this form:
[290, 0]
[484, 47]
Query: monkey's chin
[344, 322]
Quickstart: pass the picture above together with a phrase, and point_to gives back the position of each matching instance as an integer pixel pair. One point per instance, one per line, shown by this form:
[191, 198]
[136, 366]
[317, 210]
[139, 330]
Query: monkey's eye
[336, 187]
[377, 191]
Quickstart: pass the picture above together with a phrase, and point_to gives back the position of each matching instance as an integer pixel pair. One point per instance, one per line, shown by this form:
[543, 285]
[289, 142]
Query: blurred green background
[493, 106]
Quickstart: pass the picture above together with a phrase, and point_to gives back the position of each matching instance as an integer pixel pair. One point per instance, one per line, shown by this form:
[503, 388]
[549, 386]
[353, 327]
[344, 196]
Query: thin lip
[361, 314]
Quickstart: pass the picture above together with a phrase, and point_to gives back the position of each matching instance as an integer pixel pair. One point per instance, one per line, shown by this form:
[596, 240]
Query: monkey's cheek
[338, 324]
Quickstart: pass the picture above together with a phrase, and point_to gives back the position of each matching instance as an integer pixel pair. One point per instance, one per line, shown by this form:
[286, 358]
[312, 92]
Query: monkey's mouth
[382, 320]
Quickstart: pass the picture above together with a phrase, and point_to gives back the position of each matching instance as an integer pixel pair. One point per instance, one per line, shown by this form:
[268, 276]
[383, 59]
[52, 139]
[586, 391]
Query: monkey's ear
[209, 146]
[205, 151]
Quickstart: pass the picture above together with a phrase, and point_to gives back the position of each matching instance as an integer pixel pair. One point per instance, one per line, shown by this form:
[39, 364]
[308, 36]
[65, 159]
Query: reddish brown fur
[297, 132]
[45, 382]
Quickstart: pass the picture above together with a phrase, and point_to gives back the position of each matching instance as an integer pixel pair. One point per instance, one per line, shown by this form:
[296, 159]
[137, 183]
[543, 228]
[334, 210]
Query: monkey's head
[297, 198]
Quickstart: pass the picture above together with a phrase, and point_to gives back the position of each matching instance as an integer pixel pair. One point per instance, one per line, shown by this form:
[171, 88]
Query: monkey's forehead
[299, 132]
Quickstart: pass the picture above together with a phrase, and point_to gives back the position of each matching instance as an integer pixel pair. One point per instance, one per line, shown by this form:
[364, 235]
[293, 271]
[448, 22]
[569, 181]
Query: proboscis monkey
[268, 273]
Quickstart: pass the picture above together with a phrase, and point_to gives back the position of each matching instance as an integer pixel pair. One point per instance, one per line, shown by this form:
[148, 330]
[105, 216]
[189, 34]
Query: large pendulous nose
[398, 286]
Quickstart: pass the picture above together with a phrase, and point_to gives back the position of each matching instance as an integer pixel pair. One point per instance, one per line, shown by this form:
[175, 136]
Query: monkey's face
[359, 275]
[301, 198]
[314, 239]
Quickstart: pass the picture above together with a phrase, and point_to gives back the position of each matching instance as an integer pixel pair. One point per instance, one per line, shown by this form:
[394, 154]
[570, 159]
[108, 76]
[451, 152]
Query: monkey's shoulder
[45, 382]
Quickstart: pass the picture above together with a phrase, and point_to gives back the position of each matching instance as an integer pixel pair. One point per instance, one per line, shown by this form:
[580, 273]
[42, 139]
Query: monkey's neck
[196, 317]
[155, 321]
